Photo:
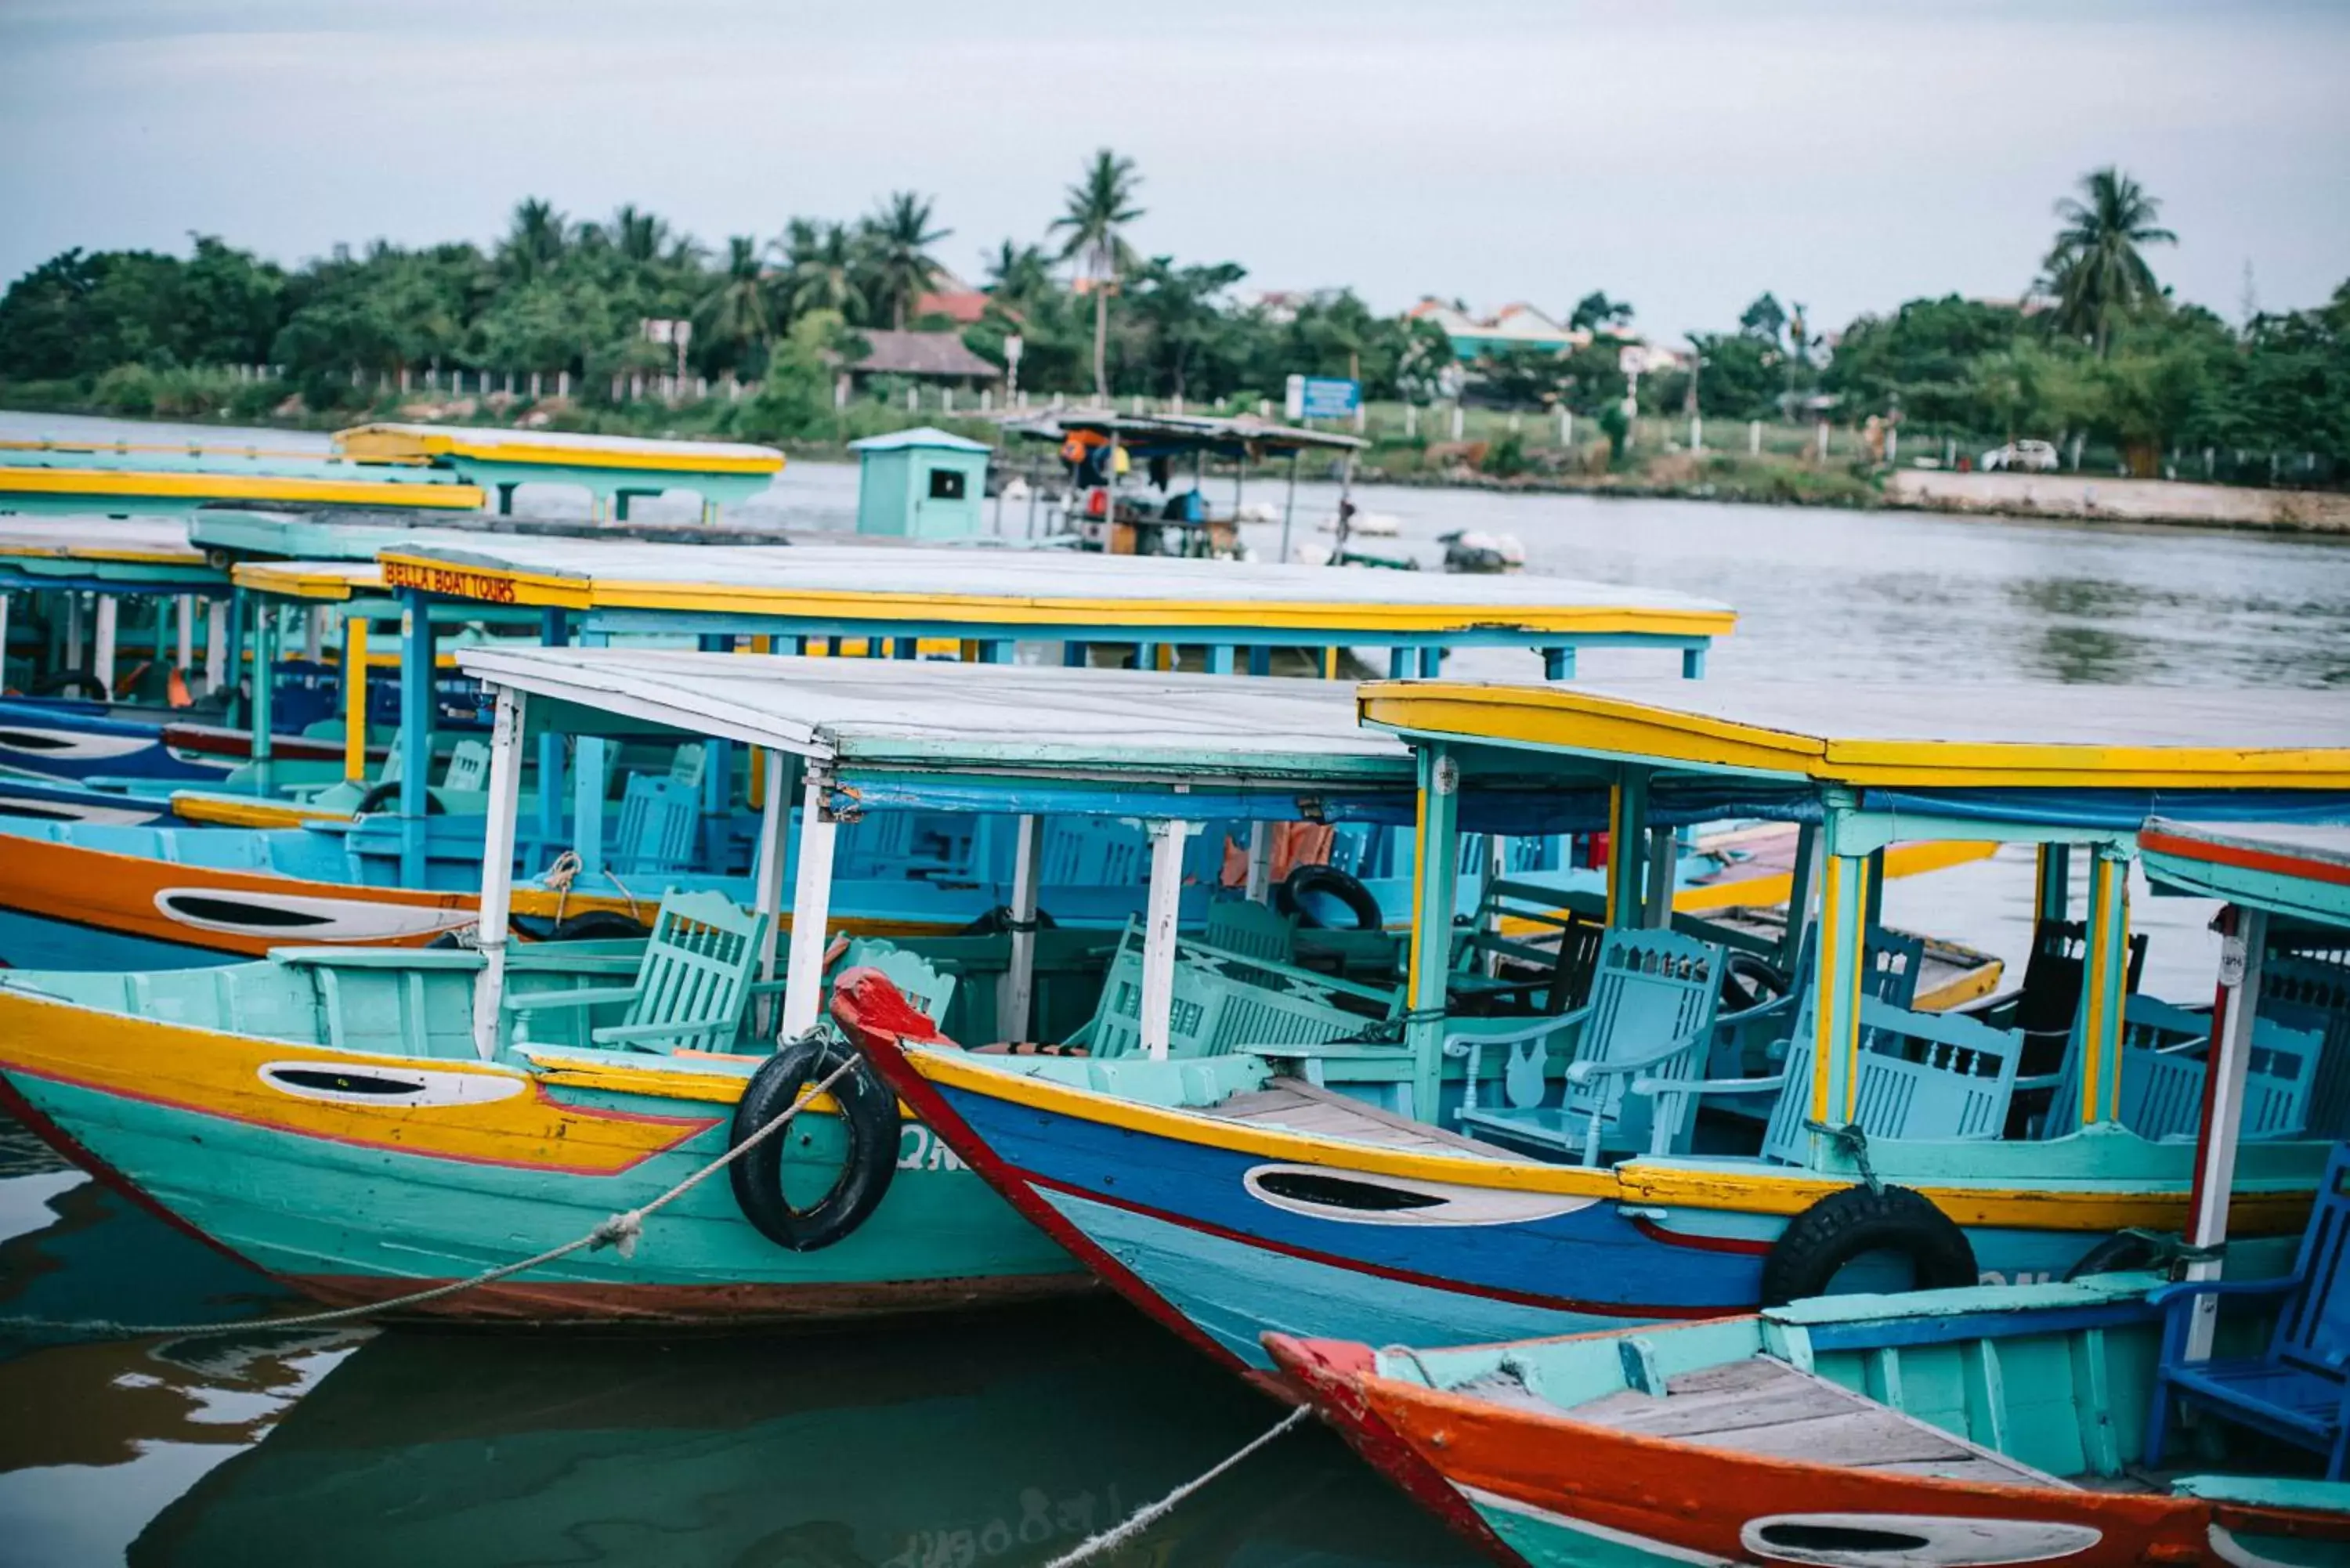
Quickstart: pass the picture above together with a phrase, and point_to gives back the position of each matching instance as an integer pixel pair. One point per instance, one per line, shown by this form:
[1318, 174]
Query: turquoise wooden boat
[1958, 1426]
[362, 1122]
[1657, 1138]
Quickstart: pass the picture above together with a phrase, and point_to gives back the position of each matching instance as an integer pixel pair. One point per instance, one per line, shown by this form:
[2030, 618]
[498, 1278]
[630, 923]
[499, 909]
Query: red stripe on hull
[523, 1300]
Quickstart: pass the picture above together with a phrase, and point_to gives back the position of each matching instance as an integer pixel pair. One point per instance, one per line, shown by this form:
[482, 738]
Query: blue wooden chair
[655, 835]
[692, 984]
[1650, 1016]
[1921, 1075]
[2305, 992]
[2298, 1390]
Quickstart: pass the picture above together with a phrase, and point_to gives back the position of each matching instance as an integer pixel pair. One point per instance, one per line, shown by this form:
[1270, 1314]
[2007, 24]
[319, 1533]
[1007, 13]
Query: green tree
[897, 239]
[735, 321]
[1595, 312]
[2095, 269]
[1101, 205]
[536, 240]
[1765, 318]
[823, 268]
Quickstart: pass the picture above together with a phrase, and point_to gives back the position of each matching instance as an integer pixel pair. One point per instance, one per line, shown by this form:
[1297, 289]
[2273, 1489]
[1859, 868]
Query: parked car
[2031, 456]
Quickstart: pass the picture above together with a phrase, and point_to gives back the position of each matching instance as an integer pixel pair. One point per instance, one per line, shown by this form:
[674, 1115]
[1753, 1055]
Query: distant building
[953, 298]
[1638, 358]
[937, 357]
[1518, 326]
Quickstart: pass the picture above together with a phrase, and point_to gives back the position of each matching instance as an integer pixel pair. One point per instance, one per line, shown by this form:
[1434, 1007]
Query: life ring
[74, 680]
[1310, 893]
[868, 1110]
[1855, 1220]
[388, 794]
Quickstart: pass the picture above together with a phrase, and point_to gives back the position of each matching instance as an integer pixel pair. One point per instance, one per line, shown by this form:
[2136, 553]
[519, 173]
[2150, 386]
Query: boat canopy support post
[233, 656]
[1693, 662]
[2052, 895]
[2244, 939]
[1558, 663]
[264, 695]
[416, 673]
[497, 867]
[1399, 663]
[1802, 881]
[717, 773]
[4, 636]
[2102, 993]
[1875, 913]
[1219, 659]
[215, 646]
[811, 912]
[184, 638]
[1628, 828]
[1289, 505]
[767, 873]
[1664, 858]
[73, 630]
[103, 637]
[1012, 1003]
[588, 783]
[1159, 912]
[355, 725]
[1436, 862]
[554, 631]
[1259, 887]
[1836, 1016]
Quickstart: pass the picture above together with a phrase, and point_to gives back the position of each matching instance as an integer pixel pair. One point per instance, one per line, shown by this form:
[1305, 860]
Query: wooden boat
[79, 903]
[1945, 1426]
[360, 1123]
[1651, 1155]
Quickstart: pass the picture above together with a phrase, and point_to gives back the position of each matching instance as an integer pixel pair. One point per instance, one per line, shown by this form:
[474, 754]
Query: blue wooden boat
[1652, 1150]
[1967, 1426]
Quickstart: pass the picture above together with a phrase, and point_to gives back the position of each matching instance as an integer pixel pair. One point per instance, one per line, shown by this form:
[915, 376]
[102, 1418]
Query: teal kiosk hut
[920, 484]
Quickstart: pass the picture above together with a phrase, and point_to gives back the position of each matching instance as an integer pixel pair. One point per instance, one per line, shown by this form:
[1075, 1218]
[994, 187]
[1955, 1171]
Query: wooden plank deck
[1295, 1106]
[1764, 1406]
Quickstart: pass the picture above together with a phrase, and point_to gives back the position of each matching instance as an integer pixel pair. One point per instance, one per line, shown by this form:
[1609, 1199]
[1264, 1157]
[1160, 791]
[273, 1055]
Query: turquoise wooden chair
[692, 985]
[1650, 1016]
[1920, 1077]
[656, 832]
[918, 980]
[1252, 930]
[2162, 1083]
[2305, 992]
[2159, 1036]
[2298, 1390]
[1225, 1002]
[1546, 971]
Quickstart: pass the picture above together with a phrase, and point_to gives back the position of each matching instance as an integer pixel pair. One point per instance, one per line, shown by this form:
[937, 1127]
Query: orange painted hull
[1471, 1459]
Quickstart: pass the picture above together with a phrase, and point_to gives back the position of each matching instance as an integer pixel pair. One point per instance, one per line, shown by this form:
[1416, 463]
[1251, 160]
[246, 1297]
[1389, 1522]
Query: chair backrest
[1534, 910]
[917, 979]
[656, 830]
[2055, 972]
[2279, 1080]
[1921, 1075]
[685, 764]
[1649, 988]
[2153, 1089]
[2304, 991]
[696, 969]
[2312, 1329]
[1225, 1001]
[1258, 931]
[1092, 852]
[469, 766]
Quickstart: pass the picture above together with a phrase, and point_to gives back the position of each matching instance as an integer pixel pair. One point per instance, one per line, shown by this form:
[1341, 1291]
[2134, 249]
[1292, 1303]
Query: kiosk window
[946, 484]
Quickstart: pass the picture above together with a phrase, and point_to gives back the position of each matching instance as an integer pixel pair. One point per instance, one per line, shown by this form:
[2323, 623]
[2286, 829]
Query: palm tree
[733, 315]
[537, 239]
[1017, 273]
[822, 268]
[899, 238]
[2095, 269]
[1101, 203]
[638, 234]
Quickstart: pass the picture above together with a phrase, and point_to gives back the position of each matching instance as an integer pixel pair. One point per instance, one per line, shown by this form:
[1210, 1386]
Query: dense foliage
[2101, 353]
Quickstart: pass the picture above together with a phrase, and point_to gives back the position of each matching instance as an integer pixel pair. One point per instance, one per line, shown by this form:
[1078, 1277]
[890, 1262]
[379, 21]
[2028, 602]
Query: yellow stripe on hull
[135, 484]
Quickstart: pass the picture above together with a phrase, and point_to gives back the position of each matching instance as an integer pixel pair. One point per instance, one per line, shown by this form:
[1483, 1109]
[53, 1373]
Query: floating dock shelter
[613, 469]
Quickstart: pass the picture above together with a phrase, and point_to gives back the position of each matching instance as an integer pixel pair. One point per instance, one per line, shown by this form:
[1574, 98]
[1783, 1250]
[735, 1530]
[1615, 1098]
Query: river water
[1003, 1439]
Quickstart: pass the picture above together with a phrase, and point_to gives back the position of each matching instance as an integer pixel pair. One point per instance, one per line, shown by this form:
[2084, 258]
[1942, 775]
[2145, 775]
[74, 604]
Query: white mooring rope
[1143, 1517]
[619, 1231]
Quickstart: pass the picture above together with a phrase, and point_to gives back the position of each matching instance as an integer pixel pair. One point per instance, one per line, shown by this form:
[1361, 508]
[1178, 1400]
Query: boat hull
[1174, 1210]
[1545, 1490]
[352, 1200]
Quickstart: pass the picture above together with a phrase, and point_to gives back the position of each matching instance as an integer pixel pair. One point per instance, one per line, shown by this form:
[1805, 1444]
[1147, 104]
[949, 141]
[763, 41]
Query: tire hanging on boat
[388, 794]
[1307, 891]
[1855, 1220]
[868, 1112]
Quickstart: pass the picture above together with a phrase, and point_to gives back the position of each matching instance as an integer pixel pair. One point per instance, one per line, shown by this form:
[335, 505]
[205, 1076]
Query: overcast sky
[1685, 156]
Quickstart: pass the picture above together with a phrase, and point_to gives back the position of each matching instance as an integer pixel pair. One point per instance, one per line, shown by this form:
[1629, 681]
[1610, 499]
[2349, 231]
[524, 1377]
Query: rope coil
[620, 1231]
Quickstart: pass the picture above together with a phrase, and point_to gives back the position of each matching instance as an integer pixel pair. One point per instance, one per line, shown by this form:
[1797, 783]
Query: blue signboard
[1323, 398]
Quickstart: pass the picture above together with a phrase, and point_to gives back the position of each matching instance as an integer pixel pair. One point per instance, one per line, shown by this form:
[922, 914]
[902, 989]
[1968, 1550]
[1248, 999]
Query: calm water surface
[1004, 1440]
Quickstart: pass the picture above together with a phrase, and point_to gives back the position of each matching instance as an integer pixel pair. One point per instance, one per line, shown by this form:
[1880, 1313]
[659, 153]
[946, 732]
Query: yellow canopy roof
[554, 449]
[1913, 735]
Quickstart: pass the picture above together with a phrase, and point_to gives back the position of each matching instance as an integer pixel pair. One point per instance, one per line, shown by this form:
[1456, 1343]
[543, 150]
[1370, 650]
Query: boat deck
[1764, 1406]
[1299, 1106]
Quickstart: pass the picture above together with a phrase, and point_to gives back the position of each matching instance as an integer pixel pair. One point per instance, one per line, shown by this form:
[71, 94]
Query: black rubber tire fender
[74, 682]
[2124, 1253]
[1855, 1220]
[870, 1113]
[1312, 882]
[1755, 980]
[388, 794]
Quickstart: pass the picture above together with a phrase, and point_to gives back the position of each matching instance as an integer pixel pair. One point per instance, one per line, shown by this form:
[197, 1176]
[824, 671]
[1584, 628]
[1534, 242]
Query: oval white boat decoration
[297, 917]
[67, 811]
[1912, 1539]
[71, 745]
[1355, 1197]
[344, 1085]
